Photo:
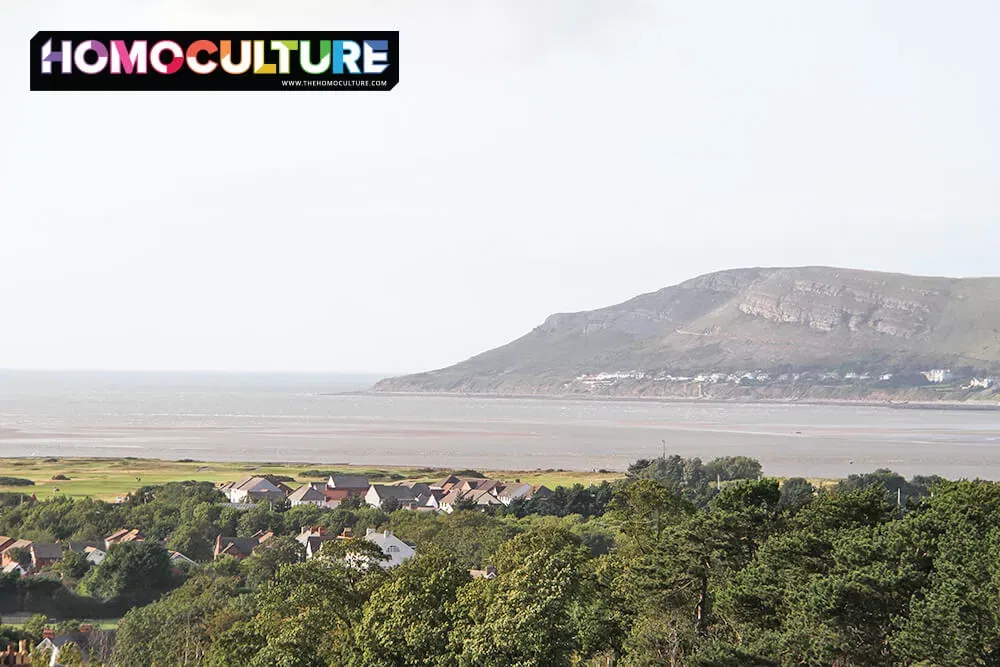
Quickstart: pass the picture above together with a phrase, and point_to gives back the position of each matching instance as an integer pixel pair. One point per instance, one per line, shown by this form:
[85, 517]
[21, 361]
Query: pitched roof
[488, 484]
[514, 490]
[540, 491]
[307, 493]
[124, 535]
[40, 550]
[314, 543]
[450, 479]
[482, 497]
[418, 488]
[398, 492]
[18, 544]
[453, 497]
[235, 546]
[5, 542]
[257, 485]
[339, 481]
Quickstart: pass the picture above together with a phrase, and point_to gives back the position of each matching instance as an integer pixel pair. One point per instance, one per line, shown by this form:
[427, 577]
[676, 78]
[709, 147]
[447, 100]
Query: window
[393, 549]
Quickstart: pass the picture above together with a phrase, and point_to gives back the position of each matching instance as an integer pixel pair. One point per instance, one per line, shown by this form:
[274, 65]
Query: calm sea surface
[278, 417]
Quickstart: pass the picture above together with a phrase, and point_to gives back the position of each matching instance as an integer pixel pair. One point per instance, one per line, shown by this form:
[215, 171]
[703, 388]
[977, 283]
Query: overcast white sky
[536, 157]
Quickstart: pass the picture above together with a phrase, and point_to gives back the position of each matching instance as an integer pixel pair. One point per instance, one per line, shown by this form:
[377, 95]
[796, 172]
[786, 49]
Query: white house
[309, 494]
[514, 491]
[252, 489]
[396, 549]
[379, 493]
[11, 568]
[94, 555]
[981, 383]
[938, 375]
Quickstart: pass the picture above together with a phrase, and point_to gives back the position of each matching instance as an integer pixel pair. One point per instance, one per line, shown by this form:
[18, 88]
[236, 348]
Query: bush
[15, 481]
[471, 473]
[60, 478]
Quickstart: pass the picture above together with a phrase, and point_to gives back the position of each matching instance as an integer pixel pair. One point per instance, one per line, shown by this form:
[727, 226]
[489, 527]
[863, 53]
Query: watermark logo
[217, 60]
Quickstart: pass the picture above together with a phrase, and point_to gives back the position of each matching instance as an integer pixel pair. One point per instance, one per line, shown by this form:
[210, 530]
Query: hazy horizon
[535, 158]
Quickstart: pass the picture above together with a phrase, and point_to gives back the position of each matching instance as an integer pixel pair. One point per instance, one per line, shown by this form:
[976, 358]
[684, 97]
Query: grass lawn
[110, 478]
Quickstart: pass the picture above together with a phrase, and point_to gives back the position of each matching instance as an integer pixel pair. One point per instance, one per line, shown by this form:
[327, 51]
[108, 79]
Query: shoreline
[892, 405]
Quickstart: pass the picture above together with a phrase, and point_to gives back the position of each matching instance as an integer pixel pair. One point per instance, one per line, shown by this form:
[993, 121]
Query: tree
[20, 555]
[734, 467]
[134, 571]
[796, 492]
[70, 655]
[523, 616]
[306, 615]
[179, 628]
[35, 626]
[269, 557]
[404, 622]
[74, 565]
[189, 539]
[39, 657]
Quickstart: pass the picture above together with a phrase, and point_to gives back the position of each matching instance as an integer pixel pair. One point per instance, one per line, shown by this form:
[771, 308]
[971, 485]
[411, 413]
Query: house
[489, 573]
[7, 557]
[430, 501]
[309, 494]
[981, 383]
[313, 538]
[482, 498]
[94, 555]
[56, 643]
[396, 549]
[446, 483]
[380, 493]
[94, 552]
[450, 500]
[489, 485]
[237, 547]
[262, 536]
[179, 560]
[356, 483]
[122, 536]
[254, 489]
[43, 555]
[512, 492]
[418, 488]
[336, 496]
[11, 569]
[938, 375]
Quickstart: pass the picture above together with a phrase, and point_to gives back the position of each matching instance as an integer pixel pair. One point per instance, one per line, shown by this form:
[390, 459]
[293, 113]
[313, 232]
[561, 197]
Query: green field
[111, 478]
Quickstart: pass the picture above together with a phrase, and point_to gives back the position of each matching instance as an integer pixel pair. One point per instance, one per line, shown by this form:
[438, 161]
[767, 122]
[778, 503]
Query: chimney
[85, 628]
[387, 532]
[48, 633]
[23, 646]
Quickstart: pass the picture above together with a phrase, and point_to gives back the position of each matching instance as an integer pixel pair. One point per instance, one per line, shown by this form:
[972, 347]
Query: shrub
[15, 481]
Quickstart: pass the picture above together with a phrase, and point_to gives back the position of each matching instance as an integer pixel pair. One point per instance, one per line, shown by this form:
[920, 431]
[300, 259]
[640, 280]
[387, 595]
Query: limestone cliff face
[756, 319]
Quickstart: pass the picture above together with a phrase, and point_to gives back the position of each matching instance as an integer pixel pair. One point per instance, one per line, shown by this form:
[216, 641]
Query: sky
[537, 156]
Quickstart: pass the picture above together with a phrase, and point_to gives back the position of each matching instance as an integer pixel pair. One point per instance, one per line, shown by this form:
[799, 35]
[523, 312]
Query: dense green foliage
[682, 563]
[15, 481]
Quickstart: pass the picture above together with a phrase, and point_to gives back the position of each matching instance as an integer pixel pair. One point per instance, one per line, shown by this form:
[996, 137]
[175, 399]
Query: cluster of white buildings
[934, 376]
